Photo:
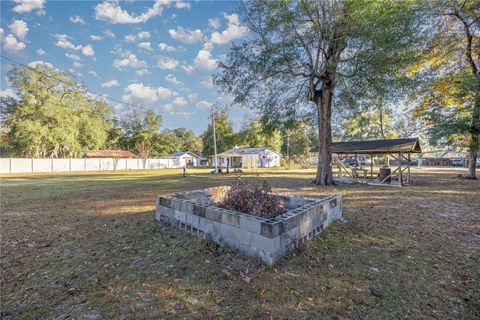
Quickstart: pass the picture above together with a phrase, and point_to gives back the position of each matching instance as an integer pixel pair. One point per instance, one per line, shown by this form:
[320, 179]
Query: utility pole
[214, 141]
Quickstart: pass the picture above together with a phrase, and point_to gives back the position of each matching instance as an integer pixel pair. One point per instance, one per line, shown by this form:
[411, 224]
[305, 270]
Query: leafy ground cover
[86, 246]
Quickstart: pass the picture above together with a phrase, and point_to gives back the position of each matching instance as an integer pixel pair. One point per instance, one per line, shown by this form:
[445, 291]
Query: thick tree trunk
[475, 136]
[472, 165]
[323, 101]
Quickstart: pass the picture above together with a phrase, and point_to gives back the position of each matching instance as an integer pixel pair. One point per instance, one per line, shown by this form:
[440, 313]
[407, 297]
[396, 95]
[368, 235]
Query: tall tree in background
[368, 124]
[179, 139]
[253, 135]
[224, 134]
[146, 129]
[54, 116]
[450, 97]
[303, 50]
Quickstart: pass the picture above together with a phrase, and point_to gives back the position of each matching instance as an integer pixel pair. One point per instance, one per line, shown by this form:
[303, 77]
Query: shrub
[253, 196]
[283, 162]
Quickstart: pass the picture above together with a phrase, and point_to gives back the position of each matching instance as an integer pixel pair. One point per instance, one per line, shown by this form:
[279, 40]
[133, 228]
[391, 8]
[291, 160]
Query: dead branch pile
[253, 196]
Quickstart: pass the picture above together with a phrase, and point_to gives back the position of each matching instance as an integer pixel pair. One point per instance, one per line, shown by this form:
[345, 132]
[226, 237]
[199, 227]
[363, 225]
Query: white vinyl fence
[28, 165]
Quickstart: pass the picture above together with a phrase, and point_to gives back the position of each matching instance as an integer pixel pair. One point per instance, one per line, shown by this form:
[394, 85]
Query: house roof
[245, 151]
[183, 153]
[407, 145]
[109, 154]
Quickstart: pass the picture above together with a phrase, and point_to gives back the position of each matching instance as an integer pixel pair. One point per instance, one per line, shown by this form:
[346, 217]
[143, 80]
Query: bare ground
[86, 246]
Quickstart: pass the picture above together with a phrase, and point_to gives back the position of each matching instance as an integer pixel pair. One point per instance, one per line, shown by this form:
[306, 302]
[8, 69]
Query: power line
[77, 86]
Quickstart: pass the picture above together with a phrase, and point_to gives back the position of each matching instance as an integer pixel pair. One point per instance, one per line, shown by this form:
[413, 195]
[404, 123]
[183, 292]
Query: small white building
[187, 157]
[248, 158]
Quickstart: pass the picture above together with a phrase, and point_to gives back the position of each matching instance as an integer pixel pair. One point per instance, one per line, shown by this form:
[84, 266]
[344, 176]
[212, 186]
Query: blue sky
[157, 54]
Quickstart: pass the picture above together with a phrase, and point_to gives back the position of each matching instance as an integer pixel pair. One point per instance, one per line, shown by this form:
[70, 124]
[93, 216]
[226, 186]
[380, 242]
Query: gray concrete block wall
[267, 239]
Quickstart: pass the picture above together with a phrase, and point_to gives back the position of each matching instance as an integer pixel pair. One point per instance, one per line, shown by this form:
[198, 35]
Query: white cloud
[214, 23]
[63, 42]
[33, 64]
[143, 35]
[19, 28]
[88, 51]
[40, 52]
[8, 93]
[128, 60]
[179, 101]
[182, 5]
[167, 63]
[139, 93]
[72, 56]
[168, 48]
[142, 72]
[204, 105]
[204, 59]
[95, 37]
[77, 65]
[172, 79]
[93, 73]
[77, 20]
[207, 82]
[233, 31]
[183, 114]
[11, 44]
[130, 38]
[145, 46]
[187, 68]
[25, 6]
[186, 35]
[111, 83]
[109, 33]
[111, 11]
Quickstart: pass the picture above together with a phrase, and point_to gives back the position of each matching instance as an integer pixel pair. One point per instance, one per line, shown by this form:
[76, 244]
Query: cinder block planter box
[267, 239]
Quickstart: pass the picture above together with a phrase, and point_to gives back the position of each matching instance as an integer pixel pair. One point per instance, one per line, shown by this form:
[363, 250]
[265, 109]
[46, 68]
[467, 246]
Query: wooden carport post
[400, 178]
[371, 166]
[409, 163]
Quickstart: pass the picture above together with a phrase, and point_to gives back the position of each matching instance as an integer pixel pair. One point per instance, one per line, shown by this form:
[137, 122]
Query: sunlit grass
[399, 253]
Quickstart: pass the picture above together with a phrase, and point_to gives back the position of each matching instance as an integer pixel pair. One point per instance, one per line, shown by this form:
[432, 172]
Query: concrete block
[267, 239]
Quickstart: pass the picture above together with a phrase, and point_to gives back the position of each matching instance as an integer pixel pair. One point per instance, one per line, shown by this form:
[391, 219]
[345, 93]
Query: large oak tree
[304, 52]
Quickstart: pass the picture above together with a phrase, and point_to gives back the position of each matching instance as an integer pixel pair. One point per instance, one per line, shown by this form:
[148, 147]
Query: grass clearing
[86, 246]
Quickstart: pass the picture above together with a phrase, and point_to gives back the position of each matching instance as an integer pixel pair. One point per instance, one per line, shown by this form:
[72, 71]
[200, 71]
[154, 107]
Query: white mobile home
[248, 158]
[187, 157]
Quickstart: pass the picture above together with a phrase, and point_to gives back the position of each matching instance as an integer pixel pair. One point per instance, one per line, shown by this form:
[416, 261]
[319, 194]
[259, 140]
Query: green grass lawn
[86, 246]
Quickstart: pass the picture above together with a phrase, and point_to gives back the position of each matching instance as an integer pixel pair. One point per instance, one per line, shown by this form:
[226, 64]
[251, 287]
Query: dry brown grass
[86, 247]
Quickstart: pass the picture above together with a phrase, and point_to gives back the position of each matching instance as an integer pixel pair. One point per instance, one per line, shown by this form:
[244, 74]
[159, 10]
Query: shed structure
[261, 157]
[399, 149]
[190, 158]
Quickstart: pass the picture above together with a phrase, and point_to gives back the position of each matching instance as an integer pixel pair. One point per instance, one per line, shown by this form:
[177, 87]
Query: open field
[86, 246]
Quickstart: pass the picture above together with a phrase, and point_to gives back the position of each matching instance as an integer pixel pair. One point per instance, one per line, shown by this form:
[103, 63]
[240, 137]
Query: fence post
[84, 164]
[51, 166]
[70, 164]
[100, 164]
[10, 165]
[32, 165]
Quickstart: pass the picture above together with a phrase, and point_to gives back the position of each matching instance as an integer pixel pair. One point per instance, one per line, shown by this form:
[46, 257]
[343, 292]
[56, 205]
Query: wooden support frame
[402, 172]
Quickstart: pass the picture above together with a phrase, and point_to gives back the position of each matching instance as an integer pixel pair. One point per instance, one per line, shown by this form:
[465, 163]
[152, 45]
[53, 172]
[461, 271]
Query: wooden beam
[409, 164]
[400, 168]
[371, 166]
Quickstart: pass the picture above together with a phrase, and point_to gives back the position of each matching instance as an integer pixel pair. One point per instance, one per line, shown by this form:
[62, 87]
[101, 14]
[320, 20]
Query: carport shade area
[399, 149]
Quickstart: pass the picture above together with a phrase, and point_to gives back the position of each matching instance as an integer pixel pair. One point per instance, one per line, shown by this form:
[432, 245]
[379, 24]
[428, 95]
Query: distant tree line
[54, 116]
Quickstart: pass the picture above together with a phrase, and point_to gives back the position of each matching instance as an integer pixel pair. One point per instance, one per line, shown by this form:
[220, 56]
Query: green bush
[283, 162]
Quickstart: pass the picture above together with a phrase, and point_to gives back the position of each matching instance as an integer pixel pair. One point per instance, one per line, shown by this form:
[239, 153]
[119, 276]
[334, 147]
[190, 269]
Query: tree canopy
[450, 68]
[301, 51]
[53, 116]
